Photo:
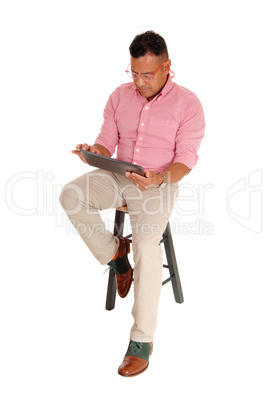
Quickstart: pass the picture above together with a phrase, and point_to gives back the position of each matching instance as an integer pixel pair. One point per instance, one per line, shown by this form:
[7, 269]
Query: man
[159, 125]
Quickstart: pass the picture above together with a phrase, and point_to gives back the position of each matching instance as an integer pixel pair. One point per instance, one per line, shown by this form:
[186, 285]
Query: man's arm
[175, 172]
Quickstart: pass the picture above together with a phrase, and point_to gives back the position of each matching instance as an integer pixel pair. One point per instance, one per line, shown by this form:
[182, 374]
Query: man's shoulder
[183, 92]
[186, 98]
[123, 89]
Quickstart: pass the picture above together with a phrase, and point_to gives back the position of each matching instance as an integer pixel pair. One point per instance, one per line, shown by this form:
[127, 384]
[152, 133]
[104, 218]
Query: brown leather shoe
[135, 365]
[124, 283]
[122, 268]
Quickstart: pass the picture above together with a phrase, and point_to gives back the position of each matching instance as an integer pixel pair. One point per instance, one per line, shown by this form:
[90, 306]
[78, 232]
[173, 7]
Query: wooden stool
[170, 256]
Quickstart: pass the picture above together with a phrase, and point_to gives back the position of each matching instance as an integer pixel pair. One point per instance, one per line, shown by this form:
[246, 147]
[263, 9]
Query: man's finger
[132, 179]
[141, 180]
[95, 150]
[77, 152]
[85, 147]
[138, 180]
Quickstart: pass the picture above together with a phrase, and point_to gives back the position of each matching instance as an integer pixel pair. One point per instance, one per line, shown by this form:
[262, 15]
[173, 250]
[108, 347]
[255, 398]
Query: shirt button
[142, 124]
[146, 107]
[137, 150]
[140, 138]
[134, 163]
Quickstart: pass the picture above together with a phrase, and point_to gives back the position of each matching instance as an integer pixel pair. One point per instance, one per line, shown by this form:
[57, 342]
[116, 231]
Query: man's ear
[168, 66]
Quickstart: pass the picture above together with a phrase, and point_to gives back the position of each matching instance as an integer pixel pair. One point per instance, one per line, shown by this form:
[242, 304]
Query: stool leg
[111, 291]
[172, 264]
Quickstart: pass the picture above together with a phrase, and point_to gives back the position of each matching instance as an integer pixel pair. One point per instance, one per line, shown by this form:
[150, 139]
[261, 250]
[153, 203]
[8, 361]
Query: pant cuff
[141, 338]
[111, 254]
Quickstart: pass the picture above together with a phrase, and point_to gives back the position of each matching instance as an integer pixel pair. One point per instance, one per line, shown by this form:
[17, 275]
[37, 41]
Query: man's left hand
[150, 180]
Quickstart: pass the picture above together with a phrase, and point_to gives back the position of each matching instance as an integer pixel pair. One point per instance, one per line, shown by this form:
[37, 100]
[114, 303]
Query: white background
[60, 60]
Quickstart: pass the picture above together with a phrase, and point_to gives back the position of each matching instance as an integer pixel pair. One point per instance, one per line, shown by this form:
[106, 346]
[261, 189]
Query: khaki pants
[149, 212]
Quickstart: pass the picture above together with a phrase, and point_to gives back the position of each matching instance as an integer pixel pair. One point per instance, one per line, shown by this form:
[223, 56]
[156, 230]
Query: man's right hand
[96, 149]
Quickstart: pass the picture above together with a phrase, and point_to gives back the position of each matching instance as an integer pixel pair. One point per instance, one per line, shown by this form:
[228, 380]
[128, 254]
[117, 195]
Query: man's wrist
[163, 181]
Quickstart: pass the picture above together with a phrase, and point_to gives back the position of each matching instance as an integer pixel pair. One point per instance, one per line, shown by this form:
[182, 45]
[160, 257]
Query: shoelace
[135, 347]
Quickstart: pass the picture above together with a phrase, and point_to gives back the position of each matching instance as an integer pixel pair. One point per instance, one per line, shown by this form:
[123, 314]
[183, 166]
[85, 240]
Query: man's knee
[70, 198]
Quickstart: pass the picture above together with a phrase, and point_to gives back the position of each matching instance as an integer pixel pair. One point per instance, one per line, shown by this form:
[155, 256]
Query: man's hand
[96, 149]
[150, 180]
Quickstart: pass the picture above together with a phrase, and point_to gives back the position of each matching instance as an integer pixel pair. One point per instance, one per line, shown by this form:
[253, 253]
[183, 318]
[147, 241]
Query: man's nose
[140, 81]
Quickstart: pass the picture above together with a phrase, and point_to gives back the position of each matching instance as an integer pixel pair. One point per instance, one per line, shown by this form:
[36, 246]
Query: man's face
[148, 64]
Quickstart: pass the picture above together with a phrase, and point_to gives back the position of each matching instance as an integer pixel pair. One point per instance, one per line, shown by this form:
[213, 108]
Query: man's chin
[145, 91]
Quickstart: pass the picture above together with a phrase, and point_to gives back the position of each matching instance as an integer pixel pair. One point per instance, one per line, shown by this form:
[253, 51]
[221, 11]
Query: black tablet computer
[111, 164]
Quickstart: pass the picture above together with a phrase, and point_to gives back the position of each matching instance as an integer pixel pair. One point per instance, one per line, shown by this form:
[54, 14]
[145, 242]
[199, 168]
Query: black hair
[148, 42]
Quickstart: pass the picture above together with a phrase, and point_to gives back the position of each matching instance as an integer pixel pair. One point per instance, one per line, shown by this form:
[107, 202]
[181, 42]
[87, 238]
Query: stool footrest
[168, 280]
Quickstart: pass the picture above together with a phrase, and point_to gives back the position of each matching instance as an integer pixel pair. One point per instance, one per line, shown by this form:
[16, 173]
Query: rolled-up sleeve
[190, 133]
[108, 136]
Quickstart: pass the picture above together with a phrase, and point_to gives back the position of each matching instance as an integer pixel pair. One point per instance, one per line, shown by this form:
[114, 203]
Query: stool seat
[174, 277]
[123, 209]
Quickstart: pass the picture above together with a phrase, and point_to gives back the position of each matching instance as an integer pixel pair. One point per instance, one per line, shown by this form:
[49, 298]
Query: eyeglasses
[145, 76]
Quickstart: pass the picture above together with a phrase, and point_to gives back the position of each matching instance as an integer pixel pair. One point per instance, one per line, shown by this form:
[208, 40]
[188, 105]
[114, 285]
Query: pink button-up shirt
[154, 134]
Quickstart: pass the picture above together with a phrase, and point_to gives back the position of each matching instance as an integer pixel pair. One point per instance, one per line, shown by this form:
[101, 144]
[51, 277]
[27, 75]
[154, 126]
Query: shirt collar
[164, 91]
[167, 87]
